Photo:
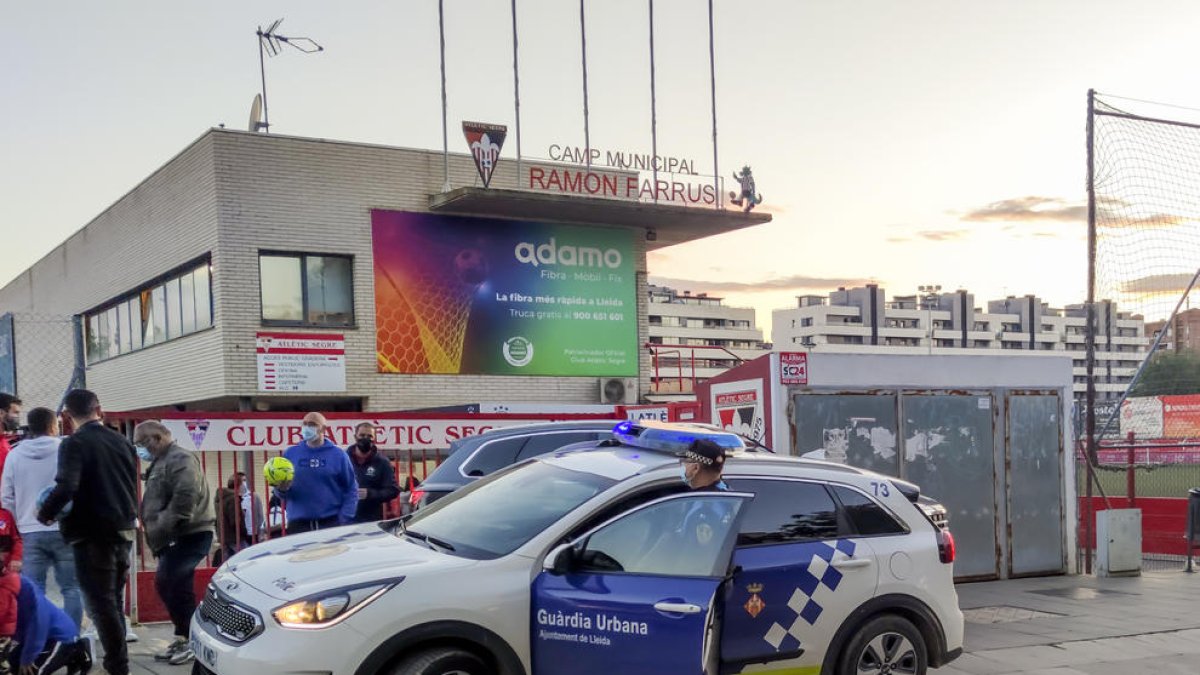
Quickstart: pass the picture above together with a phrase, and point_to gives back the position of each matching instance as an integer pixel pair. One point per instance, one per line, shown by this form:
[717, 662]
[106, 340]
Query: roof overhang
[671, 224]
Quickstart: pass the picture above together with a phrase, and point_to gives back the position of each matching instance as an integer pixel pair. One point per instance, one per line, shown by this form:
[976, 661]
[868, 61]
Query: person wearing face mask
[701, 466]
[10, 418]
[240, 517]
[376, 478]
[324, 492]
[178, 520]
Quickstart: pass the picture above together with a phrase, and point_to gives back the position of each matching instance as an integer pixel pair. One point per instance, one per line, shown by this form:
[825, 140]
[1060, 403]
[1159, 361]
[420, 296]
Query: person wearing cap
[703, 462]
[39, 637]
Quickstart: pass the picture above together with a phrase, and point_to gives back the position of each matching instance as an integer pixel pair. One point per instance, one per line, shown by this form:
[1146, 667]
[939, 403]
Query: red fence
[1164, 522]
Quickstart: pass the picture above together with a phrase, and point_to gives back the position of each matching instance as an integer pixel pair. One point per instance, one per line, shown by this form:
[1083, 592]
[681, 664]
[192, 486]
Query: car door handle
[677, 607]
[852, 563]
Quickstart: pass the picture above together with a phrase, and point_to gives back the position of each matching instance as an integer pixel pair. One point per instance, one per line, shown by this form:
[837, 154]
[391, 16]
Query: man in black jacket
[376, 478]
[97, 474]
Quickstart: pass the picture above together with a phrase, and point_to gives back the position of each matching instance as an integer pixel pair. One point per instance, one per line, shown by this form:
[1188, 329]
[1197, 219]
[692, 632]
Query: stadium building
[258, 272]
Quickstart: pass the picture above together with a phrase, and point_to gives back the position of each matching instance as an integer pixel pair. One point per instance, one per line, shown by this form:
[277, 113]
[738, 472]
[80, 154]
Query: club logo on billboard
[518, 351]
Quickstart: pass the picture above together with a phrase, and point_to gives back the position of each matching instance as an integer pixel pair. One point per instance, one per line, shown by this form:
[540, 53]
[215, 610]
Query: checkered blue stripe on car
[815, 585]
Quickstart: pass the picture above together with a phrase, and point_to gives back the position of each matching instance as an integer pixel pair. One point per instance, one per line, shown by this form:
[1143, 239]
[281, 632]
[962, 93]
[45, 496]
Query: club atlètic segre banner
[456, 294]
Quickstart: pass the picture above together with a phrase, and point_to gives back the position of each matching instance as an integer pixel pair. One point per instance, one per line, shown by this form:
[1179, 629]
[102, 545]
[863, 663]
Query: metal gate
[949, 450]
[1035, 447]
[992, 457]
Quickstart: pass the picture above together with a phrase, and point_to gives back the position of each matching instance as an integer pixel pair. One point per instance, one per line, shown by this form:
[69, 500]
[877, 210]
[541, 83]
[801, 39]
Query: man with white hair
[178, 519]
[324, 492]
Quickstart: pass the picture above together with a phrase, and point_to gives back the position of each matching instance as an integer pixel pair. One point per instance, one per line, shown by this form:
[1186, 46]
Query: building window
[806, 321]
[171, 307]
[306, 290]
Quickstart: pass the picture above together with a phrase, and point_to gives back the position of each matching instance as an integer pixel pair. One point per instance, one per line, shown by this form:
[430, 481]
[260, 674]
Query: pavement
[1076, 625]
[1081, 625]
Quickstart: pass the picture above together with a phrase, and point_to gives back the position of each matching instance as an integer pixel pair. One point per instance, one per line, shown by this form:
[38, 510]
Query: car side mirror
[475, 473]
[561, 560]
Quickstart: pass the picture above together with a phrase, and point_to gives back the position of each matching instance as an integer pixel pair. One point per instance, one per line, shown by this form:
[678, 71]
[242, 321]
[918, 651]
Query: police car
[603, 561]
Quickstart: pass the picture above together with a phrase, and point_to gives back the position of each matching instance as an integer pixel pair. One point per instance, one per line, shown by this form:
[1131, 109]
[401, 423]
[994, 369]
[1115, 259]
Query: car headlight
[331, 607]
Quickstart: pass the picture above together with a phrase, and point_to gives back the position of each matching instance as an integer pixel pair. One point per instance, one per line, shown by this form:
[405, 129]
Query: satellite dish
[256, 122]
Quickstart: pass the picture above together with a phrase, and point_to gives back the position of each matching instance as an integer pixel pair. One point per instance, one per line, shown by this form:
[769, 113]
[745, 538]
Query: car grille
[232, 621]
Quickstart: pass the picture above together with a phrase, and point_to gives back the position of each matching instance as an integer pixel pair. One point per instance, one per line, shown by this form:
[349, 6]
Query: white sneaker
[91, 634]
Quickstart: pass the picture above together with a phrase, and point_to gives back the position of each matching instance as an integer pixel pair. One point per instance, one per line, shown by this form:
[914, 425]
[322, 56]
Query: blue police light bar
[672, 438]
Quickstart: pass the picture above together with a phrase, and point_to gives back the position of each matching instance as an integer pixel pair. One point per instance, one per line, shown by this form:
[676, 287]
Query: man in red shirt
[10, 418]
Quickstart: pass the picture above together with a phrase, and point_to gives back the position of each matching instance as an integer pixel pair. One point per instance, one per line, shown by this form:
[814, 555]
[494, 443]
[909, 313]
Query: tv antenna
[269, 41]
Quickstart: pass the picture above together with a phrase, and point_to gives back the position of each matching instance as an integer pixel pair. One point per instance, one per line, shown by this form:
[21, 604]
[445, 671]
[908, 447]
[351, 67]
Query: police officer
[703, 463]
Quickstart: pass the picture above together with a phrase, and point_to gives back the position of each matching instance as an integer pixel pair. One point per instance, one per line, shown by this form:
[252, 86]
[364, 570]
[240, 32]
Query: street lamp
[929, 298]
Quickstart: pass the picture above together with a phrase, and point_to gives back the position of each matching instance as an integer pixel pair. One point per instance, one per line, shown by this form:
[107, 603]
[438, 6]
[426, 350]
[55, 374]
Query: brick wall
[166, 220]
[315, 196]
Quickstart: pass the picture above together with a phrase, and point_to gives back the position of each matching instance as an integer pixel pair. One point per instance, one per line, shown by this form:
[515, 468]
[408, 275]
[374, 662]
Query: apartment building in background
[864, 320]
[1186, 334]
[695, 337]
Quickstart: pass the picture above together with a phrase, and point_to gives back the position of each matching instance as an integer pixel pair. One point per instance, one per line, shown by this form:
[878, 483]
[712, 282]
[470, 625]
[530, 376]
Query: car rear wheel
[441, 661]
[885, 645]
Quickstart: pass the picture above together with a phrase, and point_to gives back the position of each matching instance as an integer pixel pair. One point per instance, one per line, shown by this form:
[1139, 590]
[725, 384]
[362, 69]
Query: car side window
[786, 511]
[493, 456]
[543, 443]
[678, 537]
[867, 517]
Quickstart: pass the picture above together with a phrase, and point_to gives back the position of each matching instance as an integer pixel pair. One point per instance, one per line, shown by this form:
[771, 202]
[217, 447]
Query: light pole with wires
[929, 298]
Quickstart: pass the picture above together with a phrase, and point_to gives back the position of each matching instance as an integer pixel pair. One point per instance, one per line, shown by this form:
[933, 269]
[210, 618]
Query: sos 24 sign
[793, 368]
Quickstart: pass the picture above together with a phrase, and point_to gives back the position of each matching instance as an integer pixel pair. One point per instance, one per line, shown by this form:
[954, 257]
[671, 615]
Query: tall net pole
[1090, 332]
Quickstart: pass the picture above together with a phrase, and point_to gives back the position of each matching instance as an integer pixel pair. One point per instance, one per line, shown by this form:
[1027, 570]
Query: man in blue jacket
[324, 492]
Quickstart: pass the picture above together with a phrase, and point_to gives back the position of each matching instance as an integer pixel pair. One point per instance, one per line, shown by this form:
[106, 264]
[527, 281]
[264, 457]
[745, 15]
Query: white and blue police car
[603, 561]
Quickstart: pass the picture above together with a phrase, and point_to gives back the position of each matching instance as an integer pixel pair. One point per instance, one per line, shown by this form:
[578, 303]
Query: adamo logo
[550, 253]
[518, 351]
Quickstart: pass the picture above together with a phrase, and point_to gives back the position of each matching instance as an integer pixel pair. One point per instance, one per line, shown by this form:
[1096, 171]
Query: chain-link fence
[1141, 427]
[43, 357]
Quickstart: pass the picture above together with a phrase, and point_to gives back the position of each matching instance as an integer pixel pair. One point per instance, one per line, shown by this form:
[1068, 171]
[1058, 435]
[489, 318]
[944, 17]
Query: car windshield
[496, 515]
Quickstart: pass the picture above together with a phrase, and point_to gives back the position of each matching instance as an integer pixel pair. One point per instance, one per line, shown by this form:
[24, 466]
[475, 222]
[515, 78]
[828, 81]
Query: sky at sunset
[908, 143]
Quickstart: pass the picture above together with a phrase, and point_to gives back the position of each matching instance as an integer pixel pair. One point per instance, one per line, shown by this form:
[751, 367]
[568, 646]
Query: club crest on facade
[485, 141]
[748, 198]
[198, 430]
[755, 605]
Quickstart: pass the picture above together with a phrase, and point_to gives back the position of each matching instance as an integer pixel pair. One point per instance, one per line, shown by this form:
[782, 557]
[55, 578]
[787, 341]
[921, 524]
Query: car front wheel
[885, 645]
[441, 661]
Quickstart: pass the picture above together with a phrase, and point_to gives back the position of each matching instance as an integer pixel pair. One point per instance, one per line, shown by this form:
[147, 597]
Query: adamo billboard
[462, 295]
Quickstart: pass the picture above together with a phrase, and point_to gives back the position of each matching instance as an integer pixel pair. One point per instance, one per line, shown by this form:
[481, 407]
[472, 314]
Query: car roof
[535, 427]
[620, 461]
